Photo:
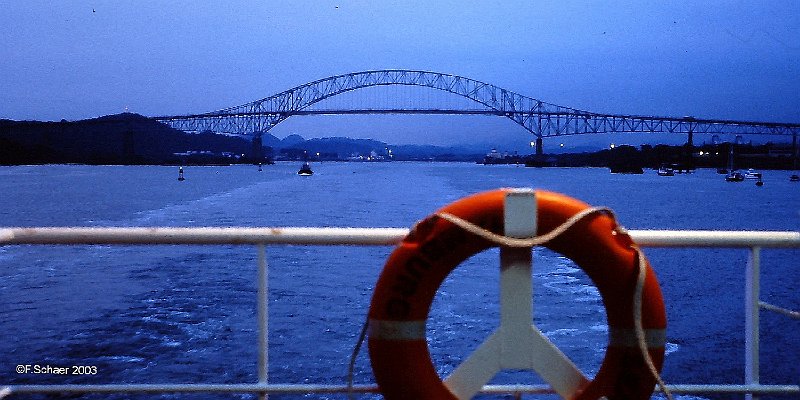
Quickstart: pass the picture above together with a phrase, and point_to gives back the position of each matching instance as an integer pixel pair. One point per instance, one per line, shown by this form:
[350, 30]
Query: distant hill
[129, 138]
[114, 139]
[134, 139]
[438, 153]
[291, 140]
[342, 148]
[333, 148]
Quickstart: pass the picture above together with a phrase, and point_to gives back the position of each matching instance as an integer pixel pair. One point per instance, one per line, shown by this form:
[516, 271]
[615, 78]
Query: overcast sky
[81, 59]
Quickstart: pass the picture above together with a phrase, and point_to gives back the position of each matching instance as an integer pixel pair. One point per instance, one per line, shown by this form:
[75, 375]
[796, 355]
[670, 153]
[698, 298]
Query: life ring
[405, 290]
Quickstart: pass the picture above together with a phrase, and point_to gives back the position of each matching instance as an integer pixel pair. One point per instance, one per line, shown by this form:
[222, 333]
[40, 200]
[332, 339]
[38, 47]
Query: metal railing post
[752, 319]
[501, 350]
[263, 313]
[516, 276]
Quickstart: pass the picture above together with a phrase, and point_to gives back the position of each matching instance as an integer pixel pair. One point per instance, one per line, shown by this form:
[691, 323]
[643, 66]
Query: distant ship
[734, 176]
[494, 157]
[666, 170]
[752, 174]
[305, 170]
[372, 157]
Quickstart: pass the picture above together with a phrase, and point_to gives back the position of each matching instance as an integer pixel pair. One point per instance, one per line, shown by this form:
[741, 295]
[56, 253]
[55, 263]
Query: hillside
[341, 148]
[115, 139]
[134, 139]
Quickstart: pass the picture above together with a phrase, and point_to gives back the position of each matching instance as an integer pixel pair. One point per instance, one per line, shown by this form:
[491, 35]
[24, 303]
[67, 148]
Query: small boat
[666, 171]
[794, 178]
[752, 174]
[305, 170]
[734, 176]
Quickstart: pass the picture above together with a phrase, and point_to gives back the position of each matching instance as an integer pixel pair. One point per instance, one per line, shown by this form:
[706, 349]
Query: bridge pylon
[690, 147]
[257, 147]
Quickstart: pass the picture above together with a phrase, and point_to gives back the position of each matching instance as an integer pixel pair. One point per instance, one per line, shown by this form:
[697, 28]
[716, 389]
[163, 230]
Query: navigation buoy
[180, 174]
[259, 167]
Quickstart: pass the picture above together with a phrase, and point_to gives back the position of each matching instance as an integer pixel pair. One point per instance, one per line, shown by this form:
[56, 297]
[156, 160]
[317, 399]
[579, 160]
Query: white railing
[260, 237]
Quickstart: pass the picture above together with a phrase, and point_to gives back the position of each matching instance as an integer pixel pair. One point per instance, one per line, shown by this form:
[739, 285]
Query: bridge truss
[540, 118]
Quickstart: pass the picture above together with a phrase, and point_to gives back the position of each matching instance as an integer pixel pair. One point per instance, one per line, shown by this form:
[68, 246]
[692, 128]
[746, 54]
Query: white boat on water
[305, 170]
[666, 171]
[734, 176]
[752, 174]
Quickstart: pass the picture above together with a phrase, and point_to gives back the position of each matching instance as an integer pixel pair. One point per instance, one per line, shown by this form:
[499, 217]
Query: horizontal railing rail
[258, 388]
[260, 237]
[352, 236]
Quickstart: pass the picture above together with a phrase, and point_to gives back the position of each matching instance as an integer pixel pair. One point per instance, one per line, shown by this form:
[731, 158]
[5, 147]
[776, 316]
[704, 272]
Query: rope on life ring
[588, 236]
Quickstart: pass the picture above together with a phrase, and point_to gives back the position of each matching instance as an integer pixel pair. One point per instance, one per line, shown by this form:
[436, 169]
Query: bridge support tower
[257, 148]
[689, 148]
[539, 146]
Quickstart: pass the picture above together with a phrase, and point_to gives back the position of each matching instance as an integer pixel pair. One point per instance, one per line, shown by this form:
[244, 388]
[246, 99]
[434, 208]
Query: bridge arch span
[496, 100]
[540, 118]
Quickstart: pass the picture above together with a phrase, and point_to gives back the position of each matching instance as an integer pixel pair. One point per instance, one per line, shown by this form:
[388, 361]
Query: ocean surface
[187, 314]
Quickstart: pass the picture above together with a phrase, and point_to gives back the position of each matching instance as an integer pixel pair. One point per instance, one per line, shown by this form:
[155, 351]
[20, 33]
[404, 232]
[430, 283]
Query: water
[186, 314]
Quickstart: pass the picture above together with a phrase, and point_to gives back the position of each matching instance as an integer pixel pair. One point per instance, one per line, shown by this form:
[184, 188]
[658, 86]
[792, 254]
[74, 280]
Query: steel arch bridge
[540, 118]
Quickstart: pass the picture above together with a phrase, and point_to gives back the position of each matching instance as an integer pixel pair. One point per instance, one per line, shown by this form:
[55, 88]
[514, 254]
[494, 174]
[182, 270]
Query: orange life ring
[408, 283]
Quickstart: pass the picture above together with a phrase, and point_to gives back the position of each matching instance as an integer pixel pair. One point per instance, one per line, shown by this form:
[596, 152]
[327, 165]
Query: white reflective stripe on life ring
[396, 330]
[623, 337]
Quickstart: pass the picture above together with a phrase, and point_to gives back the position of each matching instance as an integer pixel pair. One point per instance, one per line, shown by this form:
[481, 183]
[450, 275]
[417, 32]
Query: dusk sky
[735, 60]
